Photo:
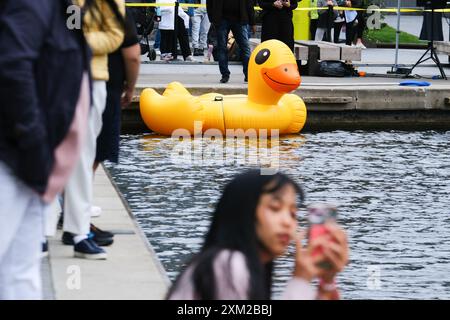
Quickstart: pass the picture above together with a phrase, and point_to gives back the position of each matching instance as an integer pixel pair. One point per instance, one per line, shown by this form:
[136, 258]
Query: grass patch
[387, 35]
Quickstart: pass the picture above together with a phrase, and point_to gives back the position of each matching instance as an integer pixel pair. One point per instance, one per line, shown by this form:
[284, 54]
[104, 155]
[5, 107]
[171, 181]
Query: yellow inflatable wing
[273, 73]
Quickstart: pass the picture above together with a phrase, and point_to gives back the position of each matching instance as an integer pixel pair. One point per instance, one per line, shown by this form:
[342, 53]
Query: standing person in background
[44, 107]
[339, 22]
[169, 37]
[326, 21]
[277, 20]
[200, 28]
[351, 23]
[103, 27]
[253, 224]
[360, 21]
[314, 17]
[232, 15]
[123, 66]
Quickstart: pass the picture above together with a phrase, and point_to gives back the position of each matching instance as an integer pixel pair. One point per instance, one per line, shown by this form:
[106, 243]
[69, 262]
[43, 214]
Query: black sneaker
[44, 252]
[88, 249]
[245, 79]
[199, 52]
[60, 221]
[67, 238]
[101, 233]
[225, 79]
[101, 238]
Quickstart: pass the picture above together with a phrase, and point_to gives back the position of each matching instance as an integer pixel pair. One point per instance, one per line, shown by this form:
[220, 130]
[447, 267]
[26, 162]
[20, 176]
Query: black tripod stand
[432, 50]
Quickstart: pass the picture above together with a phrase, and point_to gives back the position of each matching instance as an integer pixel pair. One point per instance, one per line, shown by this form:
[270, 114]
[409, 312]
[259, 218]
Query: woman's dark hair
[233, 227]
[91, 6]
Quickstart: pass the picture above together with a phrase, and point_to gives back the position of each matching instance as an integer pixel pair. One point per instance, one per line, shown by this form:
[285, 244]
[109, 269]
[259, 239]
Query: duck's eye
[262, 56]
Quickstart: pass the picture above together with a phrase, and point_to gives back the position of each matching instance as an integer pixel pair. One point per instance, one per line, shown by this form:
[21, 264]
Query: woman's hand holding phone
[307, 263]
[327, 251]
[335, 251]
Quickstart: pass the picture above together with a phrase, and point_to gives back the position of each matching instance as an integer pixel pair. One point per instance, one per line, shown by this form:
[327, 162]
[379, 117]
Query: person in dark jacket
[277, 20]
[232, 15]
[44, 105]
[326, 19]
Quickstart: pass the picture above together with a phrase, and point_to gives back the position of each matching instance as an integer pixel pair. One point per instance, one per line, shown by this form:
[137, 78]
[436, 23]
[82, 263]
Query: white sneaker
[361, 45]
[190, 58]
[96, 211]
[166, 57]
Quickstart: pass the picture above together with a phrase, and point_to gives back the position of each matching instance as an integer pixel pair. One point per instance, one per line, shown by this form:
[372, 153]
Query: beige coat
[104, 35]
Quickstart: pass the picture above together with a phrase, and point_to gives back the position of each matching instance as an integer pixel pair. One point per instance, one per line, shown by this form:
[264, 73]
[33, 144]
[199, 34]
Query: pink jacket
[237, 288]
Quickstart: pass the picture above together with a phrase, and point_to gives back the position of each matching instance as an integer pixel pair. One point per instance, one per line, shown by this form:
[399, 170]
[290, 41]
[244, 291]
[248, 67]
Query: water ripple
[392, 189]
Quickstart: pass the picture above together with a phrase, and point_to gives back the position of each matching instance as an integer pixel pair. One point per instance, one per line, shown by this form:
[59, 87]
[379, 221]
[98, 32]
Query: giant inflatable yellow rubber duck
[273, 73]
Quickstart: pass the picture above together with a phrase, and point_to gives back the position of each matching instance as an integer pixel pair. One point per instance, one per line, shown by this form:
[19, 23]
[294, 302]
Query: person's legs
[241, 36]
[204, 28]
[108, 140]
[349, 33]
[337, 31]
[320, 32]
[196, 23]
[157, 44]
[286, 33]
[270, 28]
[361, 26]
[313, 28]
[21, 232]
[222, 40]
[79, 190]
[183, 38]
[166, 43]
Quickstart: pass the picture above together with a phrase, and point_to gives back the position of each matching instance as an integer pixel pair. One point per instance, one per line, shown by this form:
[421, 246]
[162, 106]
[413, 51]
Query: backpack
[330, 68]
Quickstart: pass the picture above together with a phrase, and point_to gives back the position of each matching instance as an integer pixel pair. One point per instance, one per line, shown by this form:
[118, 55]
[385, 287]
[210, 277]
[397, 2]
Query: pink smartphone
[318, 215]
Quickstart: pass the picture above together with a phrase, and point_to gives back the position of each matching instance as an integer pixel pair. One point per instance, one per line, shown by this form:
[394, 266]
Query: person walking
[200, 28]
[171, 34]
[103, 26]
[123, 66]
[232, 15]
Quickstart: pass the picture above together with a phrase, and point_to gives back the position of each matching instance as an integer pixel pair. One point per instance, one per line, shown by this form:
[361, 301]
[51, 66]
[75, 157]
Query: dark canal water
[392, 188]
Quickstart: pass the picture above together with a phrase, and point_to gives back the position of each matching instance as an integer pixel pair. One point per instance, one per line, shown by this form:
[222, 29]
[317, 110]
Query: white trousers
[200, 28]
[78, 194]
[320, 32]
[21, 232]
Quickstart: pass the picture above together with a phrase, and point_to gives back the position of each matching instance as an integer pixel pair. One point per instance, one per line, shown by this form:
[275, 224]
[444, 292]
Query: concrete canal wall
[374, 105]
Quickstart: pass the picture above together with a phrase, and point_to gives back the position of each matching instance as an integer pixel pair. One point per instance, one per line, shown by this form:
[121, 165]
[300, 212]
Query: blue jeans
[240, 33]
[157, 44]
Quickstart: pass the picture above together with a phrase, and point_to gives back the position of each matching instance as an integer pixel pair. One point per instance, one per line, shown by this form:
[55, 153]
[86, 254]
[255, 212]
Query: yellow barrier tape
[190, 5]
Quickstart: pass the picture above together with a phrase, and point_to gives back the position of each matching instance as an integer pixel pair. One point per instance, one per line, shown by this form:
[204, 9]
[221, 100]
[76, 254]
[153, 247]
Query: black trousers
[350, 33]
[337, 31]
[169, 43]
[278, 26]
[313, 28]
[361, 25]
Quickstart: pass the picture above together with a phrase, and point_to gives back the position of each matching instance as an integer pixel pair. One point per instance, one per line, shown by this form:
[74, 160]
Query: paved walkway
[374, 61]
[132, 270]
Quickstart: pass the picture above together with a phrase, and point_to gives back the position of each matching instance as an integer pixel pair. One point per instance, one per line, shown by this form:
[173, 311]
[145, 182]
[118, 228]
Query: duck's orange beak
[284, 78]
